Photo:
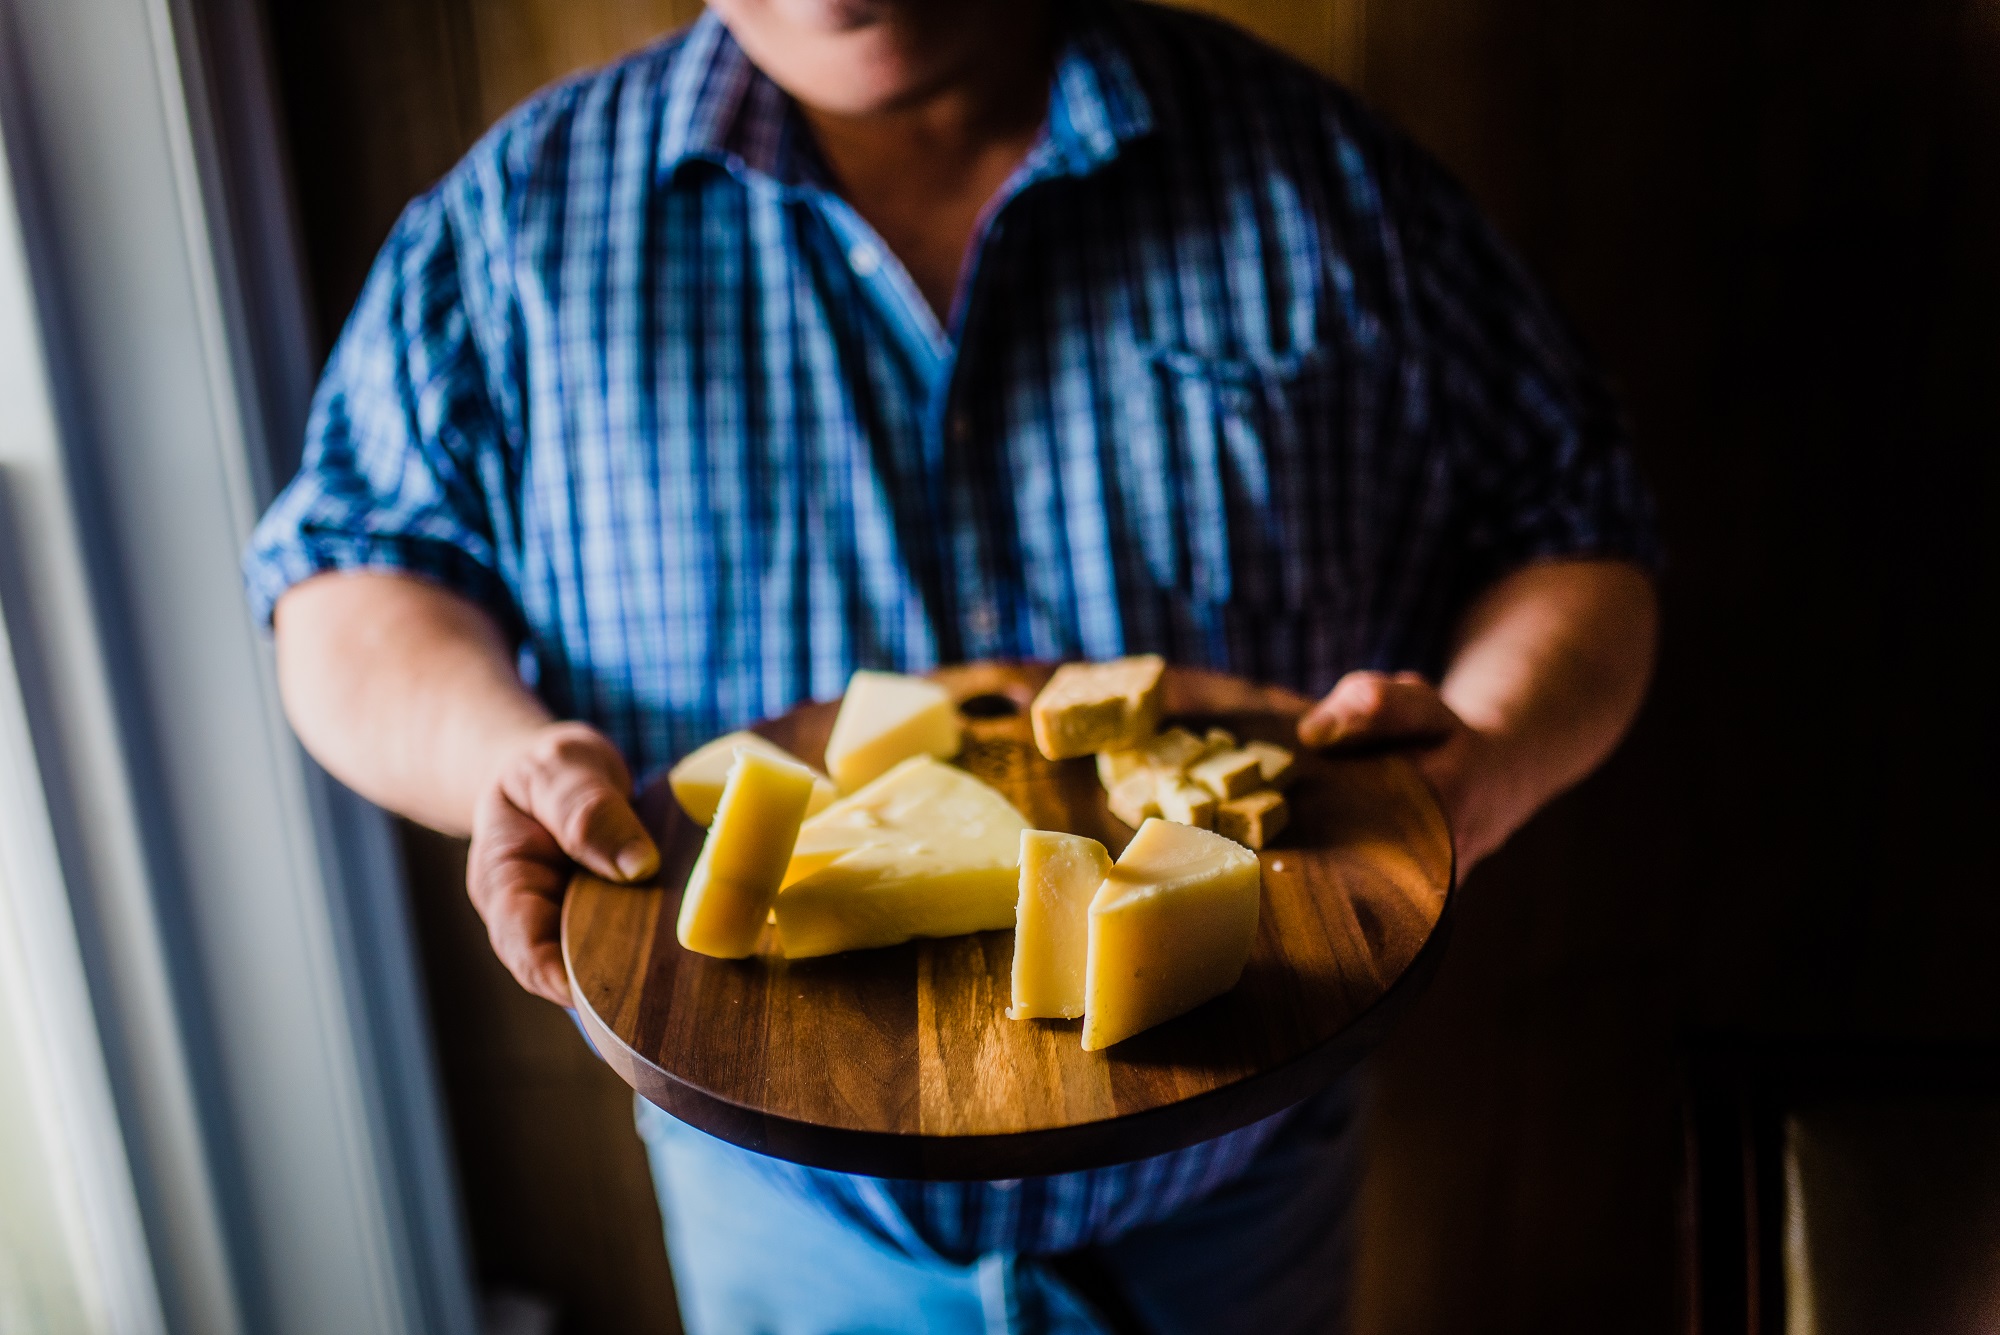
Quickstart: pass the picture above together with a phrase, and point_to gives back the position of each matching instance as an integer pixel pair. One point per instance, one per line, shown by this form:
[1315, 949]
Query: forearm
[1550, 667]
[406, 693]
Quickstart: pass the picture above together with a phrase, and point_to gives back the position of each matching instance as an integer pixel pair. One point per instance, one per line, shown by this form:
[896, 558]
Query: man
[842, 333]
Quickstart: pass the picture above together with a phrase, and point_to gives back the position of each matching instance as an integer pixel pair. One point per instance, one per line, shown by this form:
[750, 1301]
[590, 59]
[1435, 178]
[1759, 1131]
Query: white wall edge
[69, 1088]
[273, 1178]
[43, 571]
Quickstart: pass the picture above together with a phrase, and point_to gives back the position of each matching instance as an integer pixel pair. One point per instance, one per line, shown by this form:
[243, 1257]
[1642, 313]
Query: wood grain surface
[902, 1062]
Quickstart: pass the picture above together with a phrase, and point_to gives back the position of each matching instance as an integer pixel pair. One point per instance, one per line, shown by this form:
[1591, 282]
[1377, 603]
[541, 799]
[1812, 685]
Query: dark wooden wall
[1775, 221]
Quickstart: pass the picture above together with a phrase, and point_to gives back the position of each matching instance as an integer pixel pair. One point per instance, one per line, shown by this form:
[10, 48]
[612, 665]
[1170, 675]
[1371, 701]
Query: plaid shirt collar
[720, 108]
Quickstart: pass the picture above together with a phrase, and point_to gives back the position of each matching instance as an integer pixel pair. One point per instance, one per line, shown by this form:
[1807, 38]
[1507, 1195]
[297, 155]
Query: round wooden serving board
[903, 1063]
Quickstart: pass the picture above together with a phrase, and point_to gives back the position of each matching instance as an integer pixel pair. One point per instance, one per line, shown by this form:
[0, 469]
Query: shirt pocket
[1229, 471]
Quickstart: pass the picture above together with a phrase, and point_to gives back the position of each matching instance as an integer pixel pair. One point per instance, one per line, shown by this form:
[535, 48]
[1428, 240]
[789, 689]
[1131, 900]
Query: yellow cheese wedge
[884, 719]
[1171, 927]
[1088, 707]
[697, 780]
[925, 850]
[744, 857]
[1060, 874]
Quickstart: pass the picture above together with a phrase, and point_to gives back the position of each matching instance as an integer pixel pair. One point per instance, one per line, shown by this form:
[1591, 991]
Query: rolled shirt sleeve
[403, 445]
[1542, 457]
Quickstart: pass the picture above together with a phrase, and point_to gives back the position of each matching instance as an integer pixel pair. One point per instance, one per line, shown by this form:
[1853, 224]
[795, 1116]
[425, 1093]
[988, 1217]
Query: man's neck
[922, 172]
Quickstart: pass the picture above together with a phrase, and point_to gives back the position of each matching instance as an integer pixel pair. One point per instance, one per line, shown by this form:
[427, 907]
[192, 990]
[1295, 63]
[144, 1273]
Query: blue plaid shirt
[1234, 374]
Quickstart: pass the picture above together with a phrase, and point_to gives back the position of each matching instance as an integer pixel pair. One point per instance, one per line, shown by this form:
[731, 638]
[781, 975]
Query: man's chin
[831, 16]
[863, 57]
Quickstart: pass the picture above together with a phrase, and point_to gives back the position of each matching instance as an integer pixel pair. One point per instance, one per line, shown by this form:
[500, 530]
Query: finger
[516, 883]
[511, 852]
[525, 929]
[515, 877]
[1380, 707]
[587, 812]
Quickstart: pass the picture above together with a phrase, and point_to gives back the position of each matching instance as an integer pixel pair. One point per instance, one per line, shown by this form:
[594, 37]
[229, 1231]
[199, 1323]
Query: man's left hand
[1402, 710]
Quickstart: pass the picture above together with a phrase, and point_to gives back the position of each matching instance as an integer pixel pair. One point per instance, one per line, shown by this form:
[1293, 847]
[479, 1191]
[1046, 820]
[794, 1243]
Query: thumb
[1378, 707]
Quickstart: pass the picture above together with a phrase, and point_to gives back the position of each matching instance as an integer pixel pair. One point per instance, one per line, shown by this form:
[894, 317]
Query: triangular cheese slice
[1172, 926]
[697, 780]
[884, 719]
[925, 850]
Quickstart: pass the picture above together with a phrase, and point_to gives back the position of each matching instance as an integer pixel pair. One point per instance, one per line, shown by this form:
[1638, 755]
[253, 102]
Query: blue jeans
[1268, 1252]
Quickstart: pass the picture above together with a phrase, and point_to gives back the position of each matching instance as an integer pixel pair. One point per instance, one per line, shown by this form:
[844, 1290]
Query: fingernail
[637, 859]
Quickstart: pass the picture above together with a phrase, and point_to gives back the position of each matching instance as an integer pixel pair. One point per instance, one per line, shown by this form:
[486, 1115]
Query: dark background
[1778, 223]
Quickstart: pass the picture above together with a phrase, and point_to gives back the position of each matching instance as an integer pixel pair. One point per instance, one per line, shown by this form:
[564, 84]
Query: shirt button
[983, 619]
[961, 428]
[865, 258]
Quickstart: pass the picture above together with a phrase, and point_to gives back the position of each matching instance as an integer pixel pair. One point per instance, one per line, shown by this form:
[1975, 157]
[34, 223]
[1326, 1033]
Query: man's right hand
[562, 799]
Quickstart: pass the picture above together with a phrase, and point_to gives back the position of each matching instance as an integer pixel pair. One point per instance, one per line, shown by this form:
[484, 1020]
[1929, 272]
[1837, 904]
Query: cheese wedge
[697, 780]
[1060, 874]
[1255, 819]
[1171, 927]
[743, 859]
[1088, 707]
[925, 850]
[884, 719]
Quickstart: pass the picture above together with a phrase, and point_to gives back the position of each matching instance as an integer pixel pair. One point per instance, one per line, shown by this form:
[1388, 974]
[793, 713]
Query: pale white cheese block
[884, 719]
[1060, 874]
[697, 780]
[1089, 707]
[925, 850]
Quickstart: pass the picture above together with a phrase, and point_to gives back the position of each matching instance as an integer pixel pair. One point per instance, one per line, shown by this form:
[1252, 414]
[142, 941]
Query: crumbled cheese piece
[1254, 820]
[1186, 803]
[1274, 761]
[1228, 774]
